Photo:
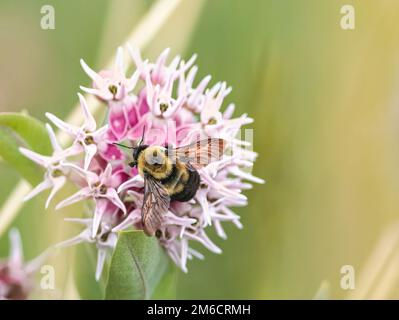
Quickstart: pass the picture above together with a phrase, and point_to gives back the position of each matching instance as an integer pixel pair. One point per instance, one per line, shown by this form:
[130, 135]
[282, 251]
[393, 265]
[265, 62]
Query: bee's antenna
[142, 137]
[123, 146]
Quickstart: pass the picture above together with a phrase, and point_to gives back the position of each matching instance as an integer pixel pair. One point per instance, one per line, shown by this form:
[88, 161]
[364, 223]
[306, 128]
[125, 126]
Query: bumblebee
[170, 174]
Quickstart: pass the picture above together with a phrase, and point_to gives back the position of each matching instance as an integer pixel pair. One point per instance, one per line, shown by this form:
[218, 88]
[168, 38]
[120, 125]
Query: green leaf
[11, 155]
[167, 287]
[30, 129]
[84, 273]
[17, 129]
[137, 267]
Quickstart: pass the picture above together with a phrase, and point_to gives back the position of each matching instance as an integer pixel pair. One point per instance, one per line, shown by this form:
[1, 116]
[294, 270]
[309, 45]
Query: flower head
[160, 104]
[85, 137]
[16, 276]
[54, 165]
[111, 84]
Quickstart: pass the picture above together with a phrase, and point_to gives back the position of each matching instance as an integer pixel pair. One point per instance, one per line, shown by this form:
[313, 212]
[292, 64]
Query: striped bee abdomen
[189, 188]
[181, 183]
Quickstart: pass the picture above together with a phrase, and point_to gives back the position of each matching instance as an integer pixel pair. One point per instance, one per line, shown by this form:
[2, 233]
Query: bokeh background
[325, 103]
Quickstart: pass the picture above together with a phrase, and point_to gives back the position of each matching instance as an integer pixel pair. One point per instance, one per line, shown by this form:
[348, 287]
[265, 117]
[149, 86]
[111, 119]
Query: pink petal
[118, 177]
[142, 104]
[109, 136]
[110, 152]
[118, 121]
[137, 131]
[132, 116]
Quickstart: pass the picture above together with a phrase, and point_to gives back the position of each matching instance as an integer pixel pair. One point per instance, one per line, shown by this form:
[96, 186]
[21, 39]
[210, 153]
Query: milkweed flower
[161, 103]
[85, 137]
[16, 275]
[56, 171]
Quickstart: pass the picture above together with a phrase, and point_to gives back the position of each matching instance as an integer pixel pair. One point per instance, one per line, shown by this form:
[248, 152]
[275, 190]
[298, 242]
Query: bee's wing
[201, 153]
[155, 204]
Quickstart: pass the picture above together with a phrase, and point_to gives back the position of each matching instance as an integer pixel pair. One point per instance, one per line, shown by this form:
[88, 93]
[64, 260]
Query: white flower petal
[112, 196]
[82, 237]
[196, 254]
[16, 252]
[45, 184]
[90, 152]
[92, 74]
[135, 182]
[89, 123]
[129, 221]
[106, 175]
[160, 63]
[98, 214]
[44, 161]
[98, 135]
[101, 255]
[245, 175]
[184, 252]
[87, 222]
[62, 125]
[73, 150]
[35, 264]
[78, 196]
[119, 65]
[133, 80]
[219, 230]
[58, 183]
[54, 142]
[105, 95]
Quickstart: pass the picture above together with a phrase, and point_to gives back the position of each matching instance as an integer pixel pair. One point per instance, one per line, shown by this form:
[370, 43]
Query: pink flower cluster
[162, 100]
[17, 276]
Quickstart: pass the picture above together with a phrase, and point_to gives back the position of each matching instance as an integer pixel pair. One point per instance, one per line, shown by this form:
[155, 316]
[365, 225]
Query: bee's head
[136, 153]
[155, 156]
[136, 149]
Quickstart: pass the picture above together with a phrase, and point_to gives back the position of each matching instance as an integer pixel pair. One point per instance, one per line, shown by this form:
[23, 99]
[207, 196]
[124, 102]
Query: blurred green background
[325, 103]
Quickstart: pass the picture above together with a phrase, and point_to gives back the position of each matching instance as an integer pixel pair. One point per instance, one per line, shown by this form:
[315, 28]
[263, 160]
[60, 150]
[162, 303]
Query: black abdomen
[190, 188]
